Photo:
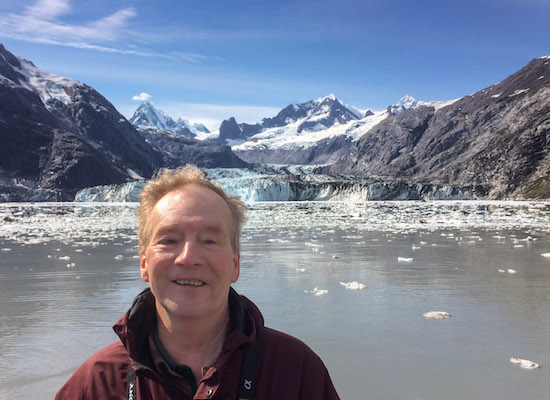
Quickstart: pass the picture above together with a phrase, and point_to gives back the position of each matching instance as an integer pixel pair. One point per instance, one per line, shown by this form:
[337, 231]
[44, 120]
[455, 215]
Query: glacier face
[294, 183]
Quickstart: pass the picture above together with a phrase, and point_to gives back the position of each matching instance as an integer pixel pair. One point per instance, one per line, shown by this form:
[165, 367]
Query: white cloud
[48, 9]
[142, 97]
[41, 23]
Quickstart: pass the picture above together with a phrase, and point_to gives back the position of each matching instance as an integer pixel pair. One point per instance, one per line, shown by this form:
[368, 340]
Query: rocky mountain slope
[59, 135]
[498, 138]
[205, 154]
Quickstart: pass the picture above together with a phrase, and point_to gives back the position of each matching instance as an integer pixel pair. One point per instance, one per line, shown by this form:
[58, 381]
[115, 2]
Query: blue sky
[208, 60]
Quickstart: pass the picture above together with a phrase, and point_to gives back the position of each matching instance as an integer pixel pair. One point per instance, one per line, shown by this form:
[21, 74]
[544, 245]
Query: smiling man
[190, 335]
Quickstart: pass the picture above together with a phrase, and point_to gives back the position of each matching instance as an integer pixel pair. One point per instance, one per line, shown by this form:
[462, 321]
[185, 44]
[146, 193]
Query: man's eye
[167, 241]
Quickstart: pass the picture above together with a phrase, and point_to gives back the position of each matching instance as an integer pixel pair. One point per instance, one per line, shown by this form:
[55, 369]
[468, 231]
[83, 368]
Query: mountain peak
[331, 97]
[406, 102]
[147, 115]
[24, 74]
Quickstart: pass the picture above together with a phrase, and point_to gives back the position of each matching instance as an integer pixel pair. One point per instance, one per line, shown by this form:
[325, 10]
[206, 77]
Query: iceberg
[437, 314]
[353, 285]
[525, 364]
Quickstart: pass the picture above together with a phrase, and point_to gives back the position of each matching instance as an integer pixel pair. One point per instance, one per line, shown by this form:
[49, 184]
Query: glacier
[293, 183]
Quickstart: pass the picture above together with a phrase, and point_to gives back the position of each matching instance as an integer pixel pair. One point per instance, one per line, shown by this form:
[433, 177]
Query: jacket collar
[133, 328]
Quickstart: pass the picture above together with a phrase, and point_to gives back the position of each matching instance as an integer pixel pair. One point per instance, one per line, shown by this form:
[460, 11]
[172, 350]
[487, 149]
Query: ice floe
[526, 364]
[46, 222]
[512, 271]
[316, 291]
[119, 257]
[353, 285]
[437, 314]
[404, 259]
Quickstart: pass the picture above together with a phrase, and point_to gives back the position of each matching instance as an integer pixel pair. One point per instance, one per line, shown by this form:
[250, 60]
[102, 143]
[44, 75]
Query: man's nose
[189, 254]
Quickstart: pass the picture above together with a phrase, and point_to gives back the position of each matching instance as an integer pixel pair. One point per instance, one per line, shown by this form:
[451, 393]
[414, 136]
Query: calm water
[375, 342]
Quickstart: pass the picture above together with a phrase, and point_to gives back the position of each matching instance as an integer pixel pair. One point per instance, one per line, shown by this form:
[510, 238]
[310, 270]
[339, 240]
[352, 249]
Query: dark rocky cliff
[498, 137]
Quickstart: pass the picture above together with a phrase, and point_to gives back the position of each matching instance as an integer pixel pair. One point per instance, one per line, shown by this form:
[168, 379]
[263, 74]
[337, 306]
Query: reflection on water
[375, 342]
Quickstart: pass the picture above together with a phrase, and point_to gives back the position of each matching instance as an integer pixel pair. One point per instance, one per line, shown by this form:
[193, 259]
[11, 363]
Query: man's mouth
[189, 282]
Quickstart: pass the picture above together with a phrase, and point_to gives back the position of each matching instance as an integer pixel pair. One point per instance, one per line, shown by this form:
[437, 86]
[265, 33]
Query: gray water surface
[375, 342]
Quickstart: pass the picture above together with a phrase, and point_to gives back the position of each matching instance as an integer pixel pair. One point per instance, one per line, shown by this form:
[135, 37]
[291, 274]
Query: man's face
[189, 262]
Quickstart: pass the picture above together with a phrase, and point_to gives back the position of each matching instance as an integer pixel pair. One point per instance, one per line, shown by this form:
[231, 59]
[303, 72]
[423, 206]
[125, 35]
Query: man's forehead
[190, 193]
[192, 199]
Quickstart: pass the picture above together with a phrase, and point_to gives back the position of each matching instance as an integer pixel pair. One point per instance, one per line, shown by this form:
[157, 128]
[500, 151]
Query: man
[190, 335]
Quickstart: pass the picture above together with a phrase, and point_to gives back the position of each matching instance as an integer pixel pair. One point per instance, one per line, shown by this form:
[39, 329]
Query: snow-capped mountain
[321, 131]
[405, 103]
[290, 144]
[148, 116]
[59, 135]
[17, 73]
[302, 119]
[314, 115]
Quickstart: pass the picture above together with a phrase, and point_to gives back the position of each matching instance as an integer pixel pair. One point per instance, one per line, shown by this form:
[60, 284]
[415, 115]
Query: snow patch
[48, 86]
[518, 92]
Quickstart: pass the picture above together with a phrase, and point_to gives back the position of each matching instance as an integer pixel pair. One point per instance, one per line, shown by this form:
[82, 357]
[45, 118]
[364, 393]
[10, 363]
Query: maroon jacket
[286, 368]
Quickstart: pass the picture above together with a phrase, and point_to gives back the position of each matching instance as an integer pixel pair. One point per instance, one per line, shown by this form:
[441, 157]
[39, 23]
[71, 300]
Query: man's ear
[236, 268]
[143, 270]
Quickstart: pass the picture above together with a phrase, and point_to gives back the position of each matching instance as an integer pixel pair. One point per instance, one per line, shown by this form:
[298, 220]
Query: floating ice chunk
[277, 241]
[119, 257]
[423, 243]
[71, 265]
[526, 364]
[516, 246]
[300, 270]
[316, 291]
[512, 271]
[335, 257]
[545, 254]
[353, 285]
[437, 314]
[65, 258]
[6, 249]
[404, 259]
[78, 250]
[501, 271]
